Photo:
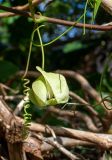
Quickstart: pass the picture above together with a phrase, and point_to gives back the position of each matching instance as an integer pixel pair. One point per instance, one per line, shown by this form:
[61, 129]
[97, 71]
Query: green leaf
[73, 46]
[49, 89]
[7, 69]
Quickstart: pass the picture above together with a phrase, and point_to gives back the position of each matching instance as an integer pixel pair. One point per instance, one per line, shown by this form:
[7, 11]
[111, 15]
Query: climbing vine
[50, 88]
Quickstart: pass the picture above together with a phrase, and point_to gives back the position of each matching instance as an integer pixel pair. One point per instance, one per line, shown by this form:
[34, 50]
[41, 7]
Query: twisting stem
[29, 54]
[41, 45]
[85, 9]
[27, 115]
[65, 32]
[30, 49]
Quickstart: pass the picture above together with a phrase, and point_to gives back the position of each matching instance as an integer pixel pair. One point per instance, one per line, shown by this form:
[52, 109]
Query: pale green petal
[61, 90]
[37, 101]
[32, 97]
[40, 92]
[58, 85]
[49, 89]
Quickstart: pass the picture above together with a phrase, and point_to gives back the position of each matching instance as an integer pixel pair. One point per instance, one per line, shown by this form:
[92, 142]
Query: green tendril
[83, 104]
[65, 32]
[41, 45]
[85, 10]
[93, 6]
[29, 54]
[30, 49]
[27, 116]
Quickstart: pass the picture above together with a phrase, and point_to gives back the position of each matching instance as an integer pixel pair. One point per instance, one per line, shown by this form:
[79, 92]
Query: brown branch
[64, 141]
[21, 8]
[15, 151]
[19, 107]
[26, 6]
[76, 114]
[91, 92]
[89, 107]
[15, 11]
[33, 146]
[58, 21]
[102, 140]
[12, 128]
[11, 98]
[106, 4]
[5, 112]
[88, 121]
[57, 145]
[82, 101]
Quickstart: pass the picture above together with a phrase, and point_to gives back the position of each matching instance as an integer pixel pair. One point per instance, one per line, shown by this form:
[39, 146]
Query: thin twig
[58, 21]
[85, 85]
[20, 106]
[82, 101]
[76, 114]
[11, 98]
[92, 93]
[21, 8]
[64, 141]
[8, 88]
[58, 146]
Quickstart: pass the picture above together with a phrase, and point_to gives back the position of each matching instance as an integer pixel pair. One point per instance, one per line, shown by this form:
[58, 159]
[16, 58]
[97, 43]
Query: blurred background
[75, 51]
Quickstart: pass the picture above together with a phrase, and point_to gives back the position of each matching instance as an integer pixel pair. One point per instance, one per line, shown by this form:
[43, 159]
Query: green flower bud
[49, 89]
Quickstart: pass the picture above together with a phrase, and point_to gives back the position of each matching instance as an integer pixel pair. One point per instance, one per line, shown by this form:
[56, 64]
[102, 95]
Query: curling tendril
[27, 115]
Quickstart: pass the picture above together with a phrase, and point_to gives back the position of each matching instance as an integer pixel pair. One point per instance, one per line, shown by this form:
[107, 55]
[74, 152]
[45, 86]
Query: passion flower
[49, 89]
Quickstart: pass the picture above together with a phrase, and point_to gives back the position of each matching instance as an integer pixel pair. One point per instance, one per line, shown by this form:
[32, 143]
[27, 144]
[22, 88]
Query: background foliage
[74, 51]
